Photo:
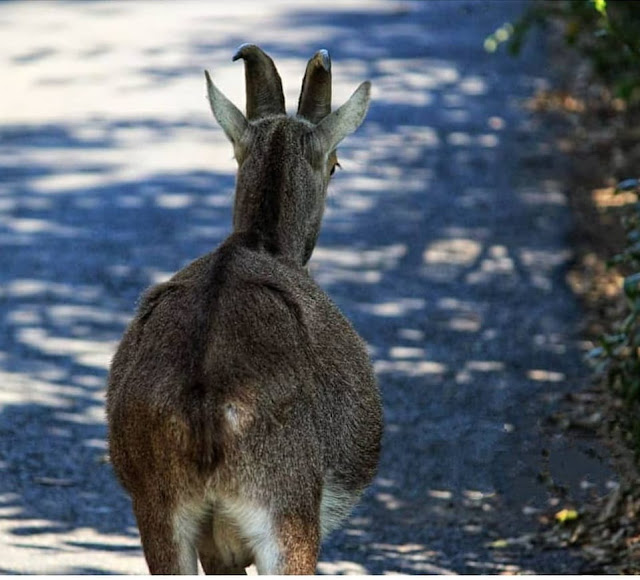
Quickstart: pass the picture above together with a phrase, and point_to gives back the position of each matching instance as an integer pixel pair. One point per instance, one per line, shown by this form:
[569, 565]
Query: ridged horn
[315, 97]
[263, 84]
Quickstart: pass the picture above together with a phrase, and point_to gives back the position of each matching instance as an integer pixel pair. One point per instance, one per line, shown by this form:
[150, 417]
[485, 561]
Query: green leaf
[566, 515]
[609, 340]
[600, 6]
[630, 285]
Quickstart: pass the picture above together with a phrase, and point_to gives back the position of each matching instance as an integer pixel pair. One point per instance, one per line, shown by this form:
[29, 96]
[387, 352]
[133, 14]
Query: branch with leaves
[606, 32]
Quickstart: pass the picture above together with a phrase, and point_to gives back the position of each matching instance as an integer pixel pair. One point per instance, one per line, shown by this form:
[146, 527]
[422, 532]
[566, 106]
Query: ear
[232, 121]
[345, 120]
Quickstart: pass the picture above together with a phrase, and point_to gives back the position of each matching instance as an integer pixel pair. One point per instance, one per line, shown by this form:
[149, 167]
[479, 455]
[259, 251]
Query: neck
[271, 220]
[276, 200]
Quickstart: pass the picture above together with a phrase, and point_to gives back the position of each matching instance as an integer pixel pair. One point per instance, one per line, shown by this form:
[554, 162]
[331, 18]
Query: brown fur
[240, 382]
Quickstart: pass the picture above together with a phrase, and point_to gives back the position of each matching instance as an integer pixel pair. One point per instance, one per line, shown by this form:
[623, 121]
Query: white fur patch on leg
[335, 506]
[256, 526]
[185, 529]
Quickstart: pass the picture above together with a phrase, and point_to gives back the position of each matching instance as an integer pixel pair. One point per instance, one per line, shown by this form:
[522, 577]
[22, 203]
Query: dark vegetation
[605, 32]
[596, 48]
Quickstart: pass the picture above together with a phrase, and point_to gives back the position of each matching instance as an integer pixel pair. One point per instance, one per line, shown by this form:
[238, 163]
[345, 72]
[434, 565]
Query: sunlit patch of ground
[113, 176]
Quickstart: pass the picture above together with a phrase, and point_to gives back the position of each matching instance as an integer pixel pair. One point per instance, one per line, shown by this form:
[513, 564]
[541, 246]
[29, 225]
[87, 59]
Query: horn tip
[242, 50]
[325, 59]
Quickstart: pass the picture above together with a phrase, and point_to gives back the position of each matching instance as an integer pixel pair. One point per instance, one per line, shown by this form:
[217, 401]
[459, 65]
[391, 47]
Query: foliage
[607, 32]
[618, 354]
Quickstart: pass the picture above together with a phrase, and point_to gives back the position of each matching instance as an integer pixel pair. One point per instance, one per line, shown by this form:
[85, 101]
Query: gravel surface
[444, 242]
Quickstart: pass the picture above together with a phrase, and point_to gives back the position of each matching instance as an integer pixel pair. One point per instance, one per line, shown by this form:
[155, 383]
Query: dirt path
[444, 242]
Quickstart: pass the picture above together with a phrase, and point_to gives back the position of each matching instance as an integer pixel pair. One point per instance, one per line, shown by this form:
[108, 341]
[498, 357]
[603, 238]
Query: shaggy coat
[244, 417]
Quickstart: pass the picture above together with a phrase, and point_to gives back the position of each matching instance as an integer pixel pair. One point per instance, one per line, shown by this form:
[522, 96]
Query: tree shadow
[443, 243]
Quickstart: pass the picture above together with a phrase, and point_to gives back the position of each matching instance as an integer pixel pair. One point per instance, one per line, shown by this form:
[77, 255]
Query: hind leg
[168, 537]
[299, 541]
[280, 543]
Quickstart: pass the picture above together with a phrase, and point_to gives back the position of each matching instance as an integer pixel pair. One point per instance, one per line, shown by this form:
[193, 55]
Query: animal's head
[284, 163]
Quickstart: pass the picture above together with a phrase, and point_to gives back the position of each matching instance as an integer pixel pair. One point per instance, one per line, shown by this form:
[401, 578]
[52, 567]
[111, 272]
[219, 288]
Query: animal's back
[242, 359]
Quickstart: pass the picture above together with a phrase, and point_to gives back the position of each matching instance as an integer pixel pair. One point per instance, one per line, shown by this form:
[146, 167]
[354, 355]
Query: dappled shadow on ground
[443, 243]
[73, 264]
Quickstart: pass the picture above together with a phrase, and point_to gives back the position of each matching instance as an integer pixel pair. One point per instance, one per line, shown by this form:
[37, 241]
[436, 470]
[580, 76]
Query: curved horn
[315, 96]
[263, 84]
